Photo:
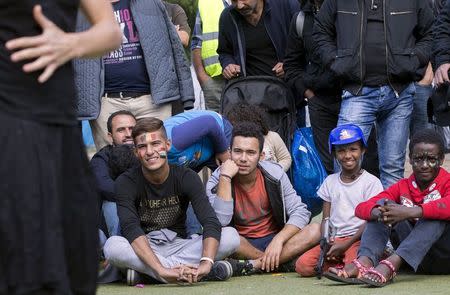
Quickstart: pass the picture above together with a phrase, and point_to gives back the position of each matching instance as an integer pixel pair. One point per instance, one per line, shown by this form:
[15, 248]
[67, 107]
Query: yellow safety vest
[210, 11]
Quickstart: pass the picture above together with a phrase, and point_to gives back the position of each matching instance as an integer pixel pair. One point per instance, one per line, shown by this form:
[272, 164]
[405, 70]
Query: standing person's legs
[360, 110]
[143, 106]
[109, 105]
[393, 132]
[419, 116]
[323, 115]
[212, 91]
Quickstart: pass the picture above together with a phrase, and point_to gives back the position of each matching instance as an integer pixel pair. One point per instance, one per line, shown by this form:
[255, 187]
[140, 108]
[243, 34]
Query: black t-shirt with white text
[144, 207]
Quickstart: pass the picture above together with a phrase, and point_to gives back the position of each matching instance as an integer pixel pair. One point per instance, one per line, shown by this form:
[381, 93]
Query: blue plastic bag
[308, 171]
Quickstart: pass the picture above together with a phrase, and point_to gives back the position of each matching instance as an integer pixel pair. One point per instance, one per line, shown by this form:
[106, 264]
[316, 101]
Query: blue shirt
[196, 137]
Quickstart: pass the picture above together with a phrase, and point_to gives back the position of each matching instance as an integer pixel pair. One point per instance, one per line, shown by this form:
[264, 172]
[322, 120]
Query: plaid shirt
[196, 41]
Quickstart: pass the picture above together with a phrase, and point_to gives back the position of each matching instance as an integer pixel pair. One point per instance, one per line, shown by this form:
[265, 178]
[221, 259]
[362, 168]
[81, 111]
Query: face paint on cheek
[162, 153]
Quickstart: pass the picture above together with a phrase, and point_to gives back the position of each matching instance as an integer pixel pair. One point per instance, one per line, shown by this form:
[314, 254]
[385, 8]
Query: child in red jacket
[414, 213]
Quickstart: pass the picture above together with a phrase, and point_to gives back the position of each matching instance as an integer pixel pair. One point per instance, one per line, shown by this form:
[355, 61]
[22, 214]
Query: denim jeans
[111, 218]
[419, 117]
[391, 116]
[424, 245]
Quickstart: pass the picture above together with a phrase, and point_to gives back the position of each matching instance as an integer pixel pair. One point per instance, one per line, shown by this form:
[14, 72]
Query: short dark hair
[429, 136]
[248, 129]
[121, 158]
[115, 114]
[150, 124]
[243, 112]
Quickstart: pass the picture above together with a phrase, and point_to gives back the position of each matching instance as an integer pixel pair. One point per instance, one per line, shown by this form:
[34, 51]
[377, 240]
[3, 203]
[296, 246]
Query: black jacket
[441, 42]
[302, 66]
[340, 30]
[277, 15]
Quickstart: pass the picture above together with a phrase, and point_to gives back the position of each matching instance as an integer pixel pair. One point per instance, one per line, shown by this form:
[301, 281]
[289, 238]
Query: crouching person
[257, 198]
[414, 213]
[341, 193]
[152, 201]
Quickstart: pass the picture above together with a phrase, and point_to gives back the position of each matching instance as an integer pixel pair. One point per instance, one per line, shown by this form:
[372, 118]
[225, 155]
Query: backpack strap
[299, 23]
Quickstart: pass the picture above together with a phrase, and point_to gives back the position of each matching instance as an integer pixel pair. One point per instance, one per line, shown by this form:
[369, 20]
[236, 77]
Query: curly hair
[248, 129]
[121, 159]
[428, 136]
[243, 112]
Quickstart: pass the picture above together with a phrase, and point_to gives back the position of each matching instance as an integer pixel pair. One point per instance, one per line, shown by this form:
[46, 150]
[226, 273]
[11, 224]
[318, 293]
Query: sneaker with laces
[242, 267]
[133, 277]
[220, 271]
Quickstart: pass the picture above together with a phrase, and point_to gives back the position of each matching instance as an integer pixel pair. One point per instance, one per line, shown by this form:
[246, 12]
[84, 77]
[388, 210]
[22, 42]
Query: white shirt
[344, 197]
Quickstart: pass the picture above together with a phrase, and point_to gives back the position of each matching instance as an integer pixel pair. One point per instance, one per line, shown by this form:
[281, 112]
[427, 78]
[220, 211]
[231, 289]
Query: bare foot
[351, 270]
[385, 270]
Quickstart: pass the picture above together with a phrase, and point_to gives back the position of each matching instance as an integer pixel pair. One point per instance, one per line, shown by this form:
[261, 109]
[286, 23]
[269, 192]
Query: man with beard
[263, 27]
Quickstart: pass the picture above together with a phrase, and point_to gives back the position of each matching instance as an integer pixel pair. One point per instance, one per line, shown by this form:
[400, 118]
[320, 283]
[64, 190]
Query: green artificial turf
[404, 284]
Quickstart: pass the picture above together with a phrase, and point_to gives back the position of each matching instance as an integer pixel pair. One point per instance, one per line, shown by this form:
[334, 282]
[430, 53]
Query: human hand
[229, 168]
[395, 213]
[51, 49]
[182, 274]
[428, 77]
[203, 269]
[337, 250]
[222, 157]
[271, 258]
[309, 94]
[231, 71]
[278, 70]
[441, 75]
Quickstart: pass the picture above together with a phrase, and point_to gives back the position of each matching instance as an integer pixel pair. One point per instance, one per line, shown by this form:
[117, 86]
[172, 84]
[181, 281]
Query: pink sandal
[343, 277]
[383, 280]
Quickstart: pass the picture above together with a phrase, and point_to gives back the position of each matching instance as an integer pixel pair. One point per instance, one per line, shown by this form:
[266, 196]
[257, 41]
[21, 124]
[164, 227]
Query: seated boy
[257, 198]
[341, 193]
[414, 213]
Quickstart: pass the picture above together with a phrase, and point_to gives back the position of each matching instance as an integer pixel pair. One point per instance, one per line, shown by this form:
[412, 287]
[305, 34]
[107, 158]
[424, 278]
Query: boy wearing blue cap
[341, 193]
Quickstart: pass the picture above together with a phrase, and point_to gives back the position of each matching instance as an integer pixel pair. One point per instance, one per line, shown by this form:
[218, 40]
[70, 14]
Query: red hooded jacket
[434, 200]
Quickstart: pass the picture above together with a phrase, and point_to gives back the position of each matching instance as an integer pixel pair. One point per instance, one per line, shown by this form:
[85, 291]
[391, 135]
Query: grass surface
[404, 284]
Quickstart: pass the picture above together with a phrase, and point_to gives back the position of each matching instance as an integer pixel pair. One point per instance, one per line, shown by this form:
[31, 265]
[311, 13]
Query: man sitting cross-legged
[414, 213]
[152, 201]
[258, 199]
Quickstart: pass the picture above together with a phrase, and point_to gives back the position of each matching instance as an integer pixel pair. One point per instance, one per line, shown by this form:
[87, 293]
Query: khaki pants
[141, 107]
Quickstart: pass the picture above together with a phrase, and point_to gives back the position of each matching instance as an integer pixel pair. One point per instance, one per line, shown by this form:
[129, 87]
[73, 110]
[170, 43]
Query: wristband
[226, 176]
[204, 258]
